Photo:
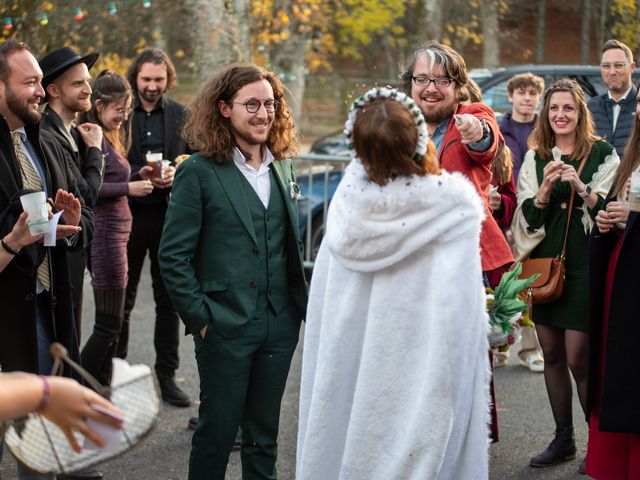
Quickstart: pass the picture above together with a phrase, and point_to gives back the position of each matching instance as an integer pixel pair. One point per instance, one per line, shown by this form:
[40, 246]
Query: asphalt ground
[526, 424]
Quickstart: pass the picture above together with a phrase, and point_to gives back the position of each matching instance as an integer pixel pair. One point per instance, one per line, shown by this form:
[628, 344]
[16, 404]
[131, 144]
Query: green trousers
[242, 381]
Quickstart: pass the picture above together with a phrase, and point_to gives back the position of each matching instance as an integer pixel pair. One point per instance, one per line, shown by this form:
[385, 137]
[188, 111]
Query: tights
[101, 347]
[564, 351]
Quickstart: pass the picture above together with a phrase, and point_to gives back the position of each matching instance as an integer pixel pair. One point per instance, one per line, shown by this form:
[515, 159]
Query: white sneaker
[500, 359]
[533, 361]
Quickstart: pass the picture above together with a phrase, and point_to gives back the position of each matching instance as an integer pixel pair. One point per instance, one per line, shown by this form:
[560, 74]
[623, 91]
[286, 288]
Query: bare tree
[224, 33]
[586, 30]
[433, 17]
[541, 26]
[490, 34]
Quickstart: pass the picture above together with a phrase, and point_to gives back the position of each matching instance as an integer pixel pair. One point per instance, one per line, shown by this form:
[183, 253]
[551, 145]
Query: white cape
[395, 369]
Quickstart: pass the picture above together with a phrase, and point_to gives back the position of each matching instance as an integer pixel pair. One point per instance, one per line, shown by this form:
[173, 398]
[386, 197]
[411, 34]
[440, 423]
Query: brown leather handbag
[550, 284]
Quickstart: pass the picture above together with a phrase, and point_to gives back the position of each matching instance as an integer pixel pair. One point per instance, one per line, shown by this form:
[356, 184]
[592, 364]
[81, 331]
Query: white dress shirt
[260, 180]
[616, 109]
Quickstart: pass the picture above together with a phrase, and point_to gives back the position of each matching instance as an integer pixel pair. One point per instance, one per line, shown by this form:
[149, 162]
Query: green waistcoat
[270, 225]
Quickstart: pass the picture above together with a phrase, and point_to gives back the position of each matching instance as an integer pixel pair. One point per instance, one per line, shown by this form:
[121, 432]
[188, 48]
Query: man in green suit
[231, 259]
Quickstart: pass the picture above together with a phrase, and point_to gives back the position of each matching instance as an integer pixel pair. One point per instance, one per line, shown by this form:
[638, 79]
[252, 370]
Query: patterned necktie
[32, 181]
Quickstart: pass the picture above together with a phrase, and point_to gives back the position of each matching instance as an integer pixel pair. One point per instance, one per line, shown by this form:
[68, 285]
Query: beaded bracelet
[46, 392]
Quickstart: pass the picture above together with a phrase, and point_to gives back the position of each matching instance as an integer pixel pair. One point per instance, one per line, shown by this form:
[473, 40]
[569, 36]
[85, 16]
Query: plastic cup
[154, 160]
[35, 204]
[634, 192]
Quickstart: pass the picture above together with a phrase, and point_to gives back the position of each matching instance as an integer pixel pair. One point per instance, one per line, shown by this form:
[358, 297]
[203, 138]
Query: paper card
[50, 235]
[113, 437]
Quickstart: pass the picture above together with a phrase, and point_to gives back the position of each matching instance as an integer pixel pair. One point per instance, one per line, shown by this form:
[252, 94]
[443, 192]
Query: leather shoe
[171, 393]
[86, 474]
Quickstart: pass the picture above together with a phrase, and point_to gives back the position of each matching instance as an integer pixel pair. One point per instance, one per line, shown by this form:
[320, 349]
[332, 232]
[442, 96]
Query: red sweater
[456, 157]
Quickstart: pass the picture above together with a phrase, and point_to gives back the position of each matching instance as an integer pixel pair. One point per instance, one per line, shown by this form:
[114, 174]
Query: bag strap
[569, 210]
[61, 355]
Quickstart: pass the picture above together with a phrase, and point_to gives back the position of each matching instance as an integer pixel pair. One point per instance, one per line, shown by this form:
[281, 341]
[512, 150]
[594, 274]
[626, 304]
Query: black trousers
[146, 231]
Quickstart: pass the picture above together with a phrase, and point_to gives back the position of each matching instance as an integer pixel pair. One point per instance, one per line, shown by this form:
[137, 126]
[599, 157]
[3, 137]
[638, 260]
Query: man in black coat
[155, 126]
[36, 306]
[66, 84]
[614, 111]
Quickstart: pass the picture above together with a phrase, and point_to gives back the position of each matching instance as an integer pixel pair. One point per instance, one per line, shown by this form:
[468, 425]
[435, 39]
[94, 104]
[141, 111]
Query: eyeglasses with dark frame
[440, 82]
[253, 105]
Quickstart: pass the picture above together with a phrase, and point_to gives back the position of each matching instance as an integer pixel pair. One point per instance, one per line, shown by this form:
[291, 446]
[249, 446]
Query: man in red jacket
[466, 136]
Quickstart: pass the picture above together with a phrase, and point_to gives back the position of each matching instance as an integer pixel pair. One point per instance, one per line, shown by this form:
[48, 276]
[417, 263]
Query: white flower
[294, 191]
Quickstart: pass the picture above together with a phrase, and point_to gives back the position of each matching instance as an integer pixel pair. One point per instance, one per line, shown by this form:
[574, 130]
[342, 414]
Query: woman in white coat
[395, 370]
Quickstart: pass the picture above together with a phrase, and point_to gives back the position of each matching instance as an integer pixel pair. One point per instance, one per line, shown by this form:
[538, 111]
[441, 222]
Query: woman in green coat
[565, 158]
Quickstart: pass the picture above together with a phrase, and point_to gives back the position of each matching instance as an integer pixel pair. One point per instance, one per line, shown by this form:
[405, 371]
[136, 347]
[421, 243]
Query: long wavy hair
[630, 159]
[543, 138]
[109, 88]
[208, 132]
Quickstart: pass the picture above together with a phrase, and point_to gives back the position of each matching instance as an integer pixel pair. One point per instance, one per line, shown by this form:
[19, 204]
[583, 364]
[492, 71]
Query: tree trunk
[540, 29]
[288, 59]
[602, 24]
[586, 31]
[221, 41]
[433, 19]
[490, 34]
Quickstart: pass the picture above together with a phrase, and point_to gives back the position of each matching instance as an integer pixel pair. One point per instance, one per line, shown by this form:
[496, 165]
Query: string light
[6, 23]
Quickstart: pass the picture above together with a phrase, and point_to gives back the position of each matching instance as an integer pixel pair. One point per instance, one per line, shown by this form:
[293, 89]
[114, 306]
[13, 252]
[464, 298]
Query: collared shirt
[150, 127]
[31, 156]
[616, 108]
[260, 180]
[438, 135]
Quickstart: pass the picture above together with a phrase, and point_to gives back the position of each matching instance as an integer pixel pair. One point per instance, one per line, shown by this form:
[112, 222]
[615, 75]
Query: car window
[497, 97]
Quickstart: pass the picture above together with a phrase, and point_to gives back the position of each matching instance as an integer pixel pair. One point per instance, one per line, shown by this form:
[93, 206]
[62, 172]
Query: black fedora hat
[57, 62]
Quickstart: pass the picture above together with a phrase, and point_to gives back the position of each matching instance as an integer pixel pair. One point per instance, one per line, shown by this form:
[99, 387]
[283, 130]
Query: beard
[150, 96]
[76, 105]
[439, 114]
[20, 108]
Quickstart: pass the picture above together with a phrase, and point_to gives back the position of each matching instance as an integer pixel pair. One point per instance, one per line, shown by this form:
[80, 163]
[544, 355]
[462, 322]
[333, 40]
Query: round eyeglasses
[254, 104]
[441, 82]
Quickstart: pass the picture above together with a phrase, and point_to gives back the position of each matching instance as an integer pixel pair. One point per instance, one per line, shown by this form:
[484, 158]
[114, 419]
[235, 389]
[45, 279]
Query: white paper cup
[634, 192]
[35, 204]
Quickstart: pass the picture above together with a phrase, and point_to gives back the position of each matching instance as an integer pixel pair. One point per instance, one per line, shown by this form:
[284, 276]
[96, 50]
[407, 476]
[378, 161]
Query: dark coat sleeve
[89, 175]
[59, 162]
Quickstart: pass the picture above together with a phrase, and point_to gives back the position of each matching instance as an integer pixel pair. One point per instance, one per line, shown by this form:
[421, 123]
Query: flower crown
[392, 93]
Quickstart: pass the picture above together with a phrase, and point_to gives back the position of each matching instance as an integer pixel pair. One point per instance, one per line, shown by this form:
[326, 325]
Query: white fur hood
[371, 227]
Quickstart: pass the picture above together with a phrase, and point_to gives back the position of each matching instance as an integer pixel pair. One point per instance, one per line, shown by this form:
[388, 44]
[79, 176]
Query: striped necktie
[32, 181]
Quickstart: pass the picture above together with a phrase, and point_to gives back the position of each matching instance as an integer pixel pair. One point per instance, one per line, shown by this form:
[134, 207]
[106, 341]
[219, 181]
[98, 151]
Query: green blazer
[208, 248]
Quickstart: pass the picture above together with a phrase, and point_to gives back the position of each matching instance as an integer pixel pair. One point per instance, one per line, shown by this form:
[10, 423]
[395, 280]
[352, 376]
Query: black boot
[171, 393]
[561, 449]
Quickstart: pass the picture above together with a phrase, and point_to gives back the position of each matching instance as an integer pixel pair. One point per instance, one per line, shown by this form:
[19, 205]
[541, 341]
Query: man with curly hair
[230, 256]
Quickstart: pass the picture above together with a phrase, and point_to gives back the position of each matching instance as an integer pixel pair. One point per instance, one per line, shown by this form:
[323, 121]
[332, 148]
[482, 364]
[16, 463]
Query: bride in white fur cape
[395, 368]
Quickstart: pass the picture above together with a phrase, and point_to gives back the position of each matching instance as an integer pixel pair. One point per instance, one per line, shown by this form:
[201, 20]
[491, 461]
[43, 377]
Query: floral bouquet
[507, 309]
